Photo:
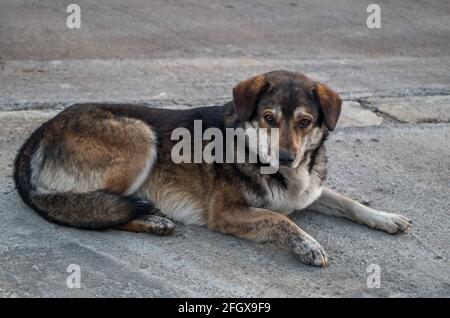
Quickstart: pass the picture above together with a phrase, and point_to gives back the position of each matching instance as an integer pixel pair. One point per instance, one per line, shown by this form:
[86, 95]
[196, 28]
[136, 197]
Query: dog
[102, 166]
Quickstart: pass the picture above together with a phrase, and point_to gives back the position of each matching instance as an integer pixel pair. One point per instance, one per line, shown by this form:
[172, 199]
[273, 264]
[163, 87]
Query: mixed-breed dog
[101, 166]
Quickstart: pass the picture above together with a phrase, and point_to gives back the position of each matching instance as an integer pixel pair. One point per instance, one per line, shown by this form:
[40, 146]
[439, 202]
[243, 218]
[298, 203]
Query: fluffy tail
[92, 210]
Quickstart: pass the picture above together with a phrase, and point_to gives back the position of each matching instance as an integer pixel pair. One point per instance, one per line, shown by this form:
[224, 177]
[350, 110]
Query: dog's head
[302, 110]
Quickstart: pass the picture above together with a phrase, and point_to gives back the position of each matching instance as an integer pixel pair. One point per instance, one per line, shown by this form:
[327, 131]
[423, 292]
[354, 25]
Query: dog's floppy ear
[330, 104]
[246, 95]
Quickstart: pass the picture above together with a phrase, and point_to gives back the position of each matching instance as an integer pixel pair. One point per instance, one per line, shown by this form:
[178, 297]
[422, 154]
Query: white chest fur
[303, 188]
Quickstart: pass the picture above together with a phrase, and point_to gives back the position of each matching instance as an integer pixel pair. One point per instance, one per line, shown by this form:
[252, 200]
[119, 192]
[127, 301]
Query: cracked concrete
[415, 109]
[353, 115]
[202, 81]
[390, 150]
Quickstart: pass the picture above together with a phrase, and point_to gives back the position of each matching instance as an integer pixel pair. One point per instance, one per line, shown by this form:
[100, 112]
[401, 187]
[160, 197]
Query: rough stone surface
[417, 109]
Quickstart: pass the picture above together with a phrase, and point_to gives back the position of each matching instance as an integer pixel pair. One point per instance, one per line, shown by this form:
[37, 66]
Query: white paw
[309, 251]
[389, 222]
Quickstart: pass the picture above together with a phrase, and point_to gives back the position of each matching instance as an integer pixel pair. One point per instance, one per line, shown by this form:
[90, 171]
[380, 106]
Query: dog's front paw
[309, 251]
[391, 223]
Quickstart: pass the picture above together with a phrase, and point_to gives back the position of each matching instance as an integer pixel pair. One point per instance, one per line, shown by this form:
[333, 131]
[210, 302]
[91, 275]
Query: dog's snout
[286, 158]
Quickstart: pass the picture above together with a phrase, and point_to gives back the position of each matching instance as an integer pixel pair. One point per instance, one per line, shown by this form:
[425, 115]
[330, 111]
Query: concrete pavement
[402, 169]
[390, 151]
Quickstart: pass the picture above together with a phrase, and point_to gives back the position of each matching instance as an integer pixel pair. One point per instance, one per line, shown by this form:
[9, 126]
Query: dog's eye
[269, 119]
[304, 123]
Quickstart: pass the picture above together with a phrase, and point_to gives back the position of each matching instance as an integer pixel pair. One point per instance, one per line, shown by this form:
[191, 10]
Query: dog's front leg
[262, 225]
[336, 204]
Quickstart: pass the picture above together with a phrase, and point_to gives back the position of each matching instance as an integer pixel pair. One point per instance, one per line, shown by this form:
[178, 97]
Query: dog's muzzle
[286, 158]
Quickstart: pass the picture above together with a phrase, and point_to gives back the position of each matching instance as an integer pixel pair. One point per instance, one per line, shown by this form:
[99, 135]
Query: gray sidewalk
[391, 149]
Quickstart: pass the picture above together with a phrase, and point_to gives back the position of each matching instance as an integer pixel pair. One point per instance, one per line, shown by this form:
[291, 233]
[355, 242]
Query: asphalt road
[215, 28]
[386, 152]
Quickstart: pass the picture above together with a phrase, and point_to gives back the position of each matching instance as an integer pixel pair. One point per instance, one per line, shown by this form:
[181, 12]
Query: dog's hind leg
[333, 203]
[153, 224]
[83, 168]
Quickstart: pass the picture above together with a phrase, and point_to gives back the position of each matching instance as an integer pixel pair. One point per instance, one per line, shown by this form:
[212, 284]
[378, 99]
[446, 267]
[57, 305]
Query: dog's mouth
[284, 163]
[292, 163]
[279, 163]
[276, 162]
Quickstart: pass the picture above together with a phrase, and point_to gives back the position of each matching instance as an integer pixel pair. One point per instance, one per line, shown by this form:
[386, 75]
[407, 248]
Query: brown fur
[331, 105]
[93, 140]
[153, 224]
[246, 95]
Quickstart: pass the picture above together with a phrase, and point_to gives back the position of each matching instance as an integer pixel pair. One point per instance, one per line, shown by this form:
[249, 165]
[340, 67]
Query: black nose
[286, 158]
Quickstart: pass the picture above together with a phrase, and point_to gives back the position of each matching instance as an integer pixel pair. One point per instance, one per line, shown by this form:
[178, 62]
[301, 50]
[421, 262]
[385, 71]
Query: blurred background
[131, 50]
